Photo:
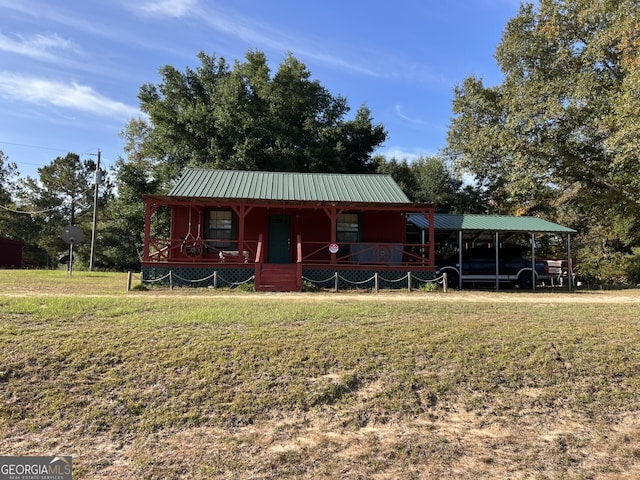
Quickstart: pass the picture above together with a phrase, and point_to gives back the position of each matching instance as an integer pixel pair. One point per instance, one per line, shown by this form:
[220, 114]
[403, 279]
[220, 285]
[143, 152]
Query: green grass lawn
[196, 383]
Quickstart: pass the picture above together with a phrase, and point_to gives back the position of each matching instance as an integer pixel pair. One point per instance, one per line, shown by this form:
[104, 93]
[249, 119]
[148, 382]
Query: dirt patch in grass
[541, 298]
[447, 444]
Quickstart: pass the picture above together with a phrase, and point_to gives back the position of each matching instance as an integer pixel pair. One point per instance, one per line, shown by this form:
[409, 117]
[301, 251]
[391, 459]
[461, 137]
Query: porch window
[221, 227]
[348, 228]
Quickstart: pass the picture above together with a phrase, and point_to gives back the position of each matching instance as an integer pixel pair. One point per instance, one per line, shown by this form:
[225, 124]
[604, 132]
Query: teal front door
[279, 238]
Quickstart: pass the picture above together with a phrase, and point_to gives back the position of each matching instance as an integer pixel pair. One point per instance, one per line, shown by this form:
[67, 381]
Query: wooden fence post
[444, 282]
[376, 283]
[129, 276]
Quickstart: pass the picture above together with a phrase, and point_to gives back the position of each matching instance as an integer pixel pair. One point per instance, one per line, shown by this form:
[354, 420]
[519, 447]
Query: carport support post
[533, 261]
[569, 265]
[459, 259]
[497, 246]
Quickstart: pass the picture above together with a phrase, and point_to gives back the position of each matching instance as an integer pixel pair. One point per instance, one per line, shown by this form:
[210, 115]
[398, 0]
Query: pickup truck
[479, 267]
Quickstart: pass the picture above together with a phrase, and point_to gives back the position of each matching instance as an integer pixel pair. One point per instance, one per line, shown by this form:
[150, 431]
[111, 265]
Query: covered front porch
[278, 245]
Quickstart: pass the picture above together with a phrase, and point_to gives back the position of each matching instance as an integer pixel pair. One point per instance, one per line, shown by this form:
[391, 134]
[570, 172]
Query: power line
[24, 212]
[38, 212]
[107, 161]
[54, 149]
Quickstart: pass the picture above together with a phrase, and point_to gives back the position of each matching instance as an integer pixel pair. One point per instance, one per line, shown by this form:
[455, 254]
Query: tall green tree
[432, 180]
[8, 180]
[436, 184]
[401, 172]
[8, 175]
[560, 135]
[123, 230]
[561, 130]
[15, 223]
[245, 117]
[63, 195]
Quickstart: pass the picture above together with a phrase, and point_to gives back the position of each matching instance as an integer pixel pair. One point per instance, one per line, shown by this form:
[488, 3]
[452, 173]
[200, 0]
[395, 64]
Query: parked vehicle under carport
[509, 266]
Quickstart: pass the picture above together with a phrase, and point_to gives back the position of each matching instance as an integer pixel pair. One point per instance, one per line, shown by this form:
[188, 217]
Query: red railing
[368, 253]
[162, 250]
[383, 254]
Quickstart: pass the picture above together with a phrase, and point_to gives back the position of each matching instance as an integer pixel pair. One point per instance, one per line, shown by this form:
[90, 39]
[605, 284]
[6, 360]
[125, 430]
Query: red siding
[384, 227]
[10, 253]
[312, 225]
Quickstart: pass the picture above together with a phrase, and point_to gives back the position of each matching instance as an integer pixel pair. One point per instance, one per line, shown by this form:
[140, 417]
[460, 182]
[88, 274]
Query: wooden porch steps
[279, 278]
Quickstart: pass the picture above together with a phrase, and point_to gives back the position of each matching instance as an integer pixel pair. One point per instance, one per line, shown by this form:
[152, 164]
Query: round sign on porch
[333, 248]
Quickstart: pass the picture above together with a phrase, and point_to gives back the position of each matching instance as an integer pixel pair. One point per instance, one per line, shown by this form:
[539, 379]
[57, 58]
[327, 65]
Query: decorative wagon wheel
[381, 253]
[193, 249]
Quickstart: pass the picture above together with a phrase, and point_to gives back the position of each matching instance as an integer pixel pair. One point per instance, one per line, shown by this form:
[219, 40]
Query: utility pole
[95, 211]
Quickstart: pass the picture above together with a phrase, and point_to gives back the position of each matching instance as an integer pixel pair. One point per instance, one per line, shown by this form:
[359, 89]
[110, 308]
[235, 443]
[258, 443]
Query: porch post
[432, 237]
[333, 213]
[147, 229]
[242, 212]
[241, 218]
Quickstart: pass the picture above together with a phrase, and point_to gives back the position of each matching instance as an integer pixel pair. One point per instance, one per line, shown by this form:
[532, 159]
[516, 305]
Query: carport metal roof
[492, 225]
[489, 223]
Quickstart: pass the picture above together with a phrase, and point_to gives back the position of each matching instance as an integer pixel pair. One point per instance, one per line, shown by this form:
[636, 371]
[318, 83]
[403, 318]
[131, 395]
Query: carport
[472, 228]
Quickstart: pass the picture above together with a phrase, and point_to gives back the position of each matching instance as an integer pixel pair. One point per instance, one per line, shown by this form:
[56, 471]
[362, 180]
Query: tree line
[558, 138]
[36, 210]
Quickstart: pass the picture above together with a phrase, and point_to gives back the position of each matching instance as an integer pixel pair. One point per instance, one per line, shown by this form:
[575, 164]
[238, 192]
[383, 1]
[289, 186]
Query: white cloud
[400, 113]
[254, 33]
[36, 46]
[400, 154]
[419, 122]
[165, 8]
[261, 35]
[73, 96]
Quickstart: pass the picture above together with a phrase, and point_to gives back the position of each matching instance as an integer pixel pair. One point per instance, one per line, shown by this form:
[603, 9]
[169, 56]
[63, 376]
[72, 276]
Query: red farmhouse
[278, 229]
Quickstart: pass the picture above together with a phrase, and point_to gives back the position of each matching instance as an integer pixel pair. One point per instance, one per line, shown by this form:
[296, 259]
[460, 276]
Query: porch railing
[368, 253]
[388, 254]
[163, 250]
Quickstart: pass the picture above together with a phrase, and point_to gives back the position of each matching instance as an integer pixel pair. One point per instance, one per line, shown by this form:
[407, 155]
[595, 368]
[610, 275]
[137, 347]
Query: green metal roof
[288, 186]
[493, 223]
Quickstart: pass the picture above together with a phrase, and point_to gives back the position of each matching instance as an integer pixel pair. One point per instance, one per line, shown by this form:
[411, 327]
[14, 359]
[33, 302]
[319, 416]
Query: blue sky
[70, 71]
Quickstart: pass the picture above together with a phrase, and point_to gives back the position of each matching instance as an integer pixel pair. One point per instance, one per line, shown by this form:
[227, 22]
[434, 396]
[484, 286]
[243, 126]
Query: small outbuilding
[10, 253]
